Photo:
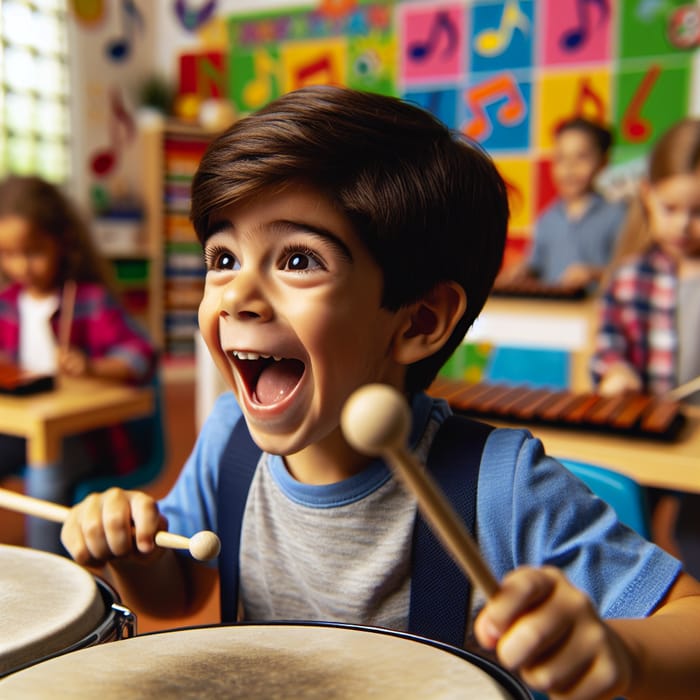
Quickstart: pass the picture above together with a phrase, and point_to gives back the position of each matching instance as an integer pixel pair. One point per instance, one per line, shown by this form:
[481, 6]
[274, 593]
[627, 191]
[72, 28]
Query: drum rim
[110, 597]
[510, 682]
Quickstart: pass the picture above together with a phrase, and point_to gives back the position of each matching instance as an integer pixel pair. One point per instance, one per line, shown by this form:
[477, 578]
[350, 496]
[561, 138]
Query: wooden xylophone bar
[629, 414]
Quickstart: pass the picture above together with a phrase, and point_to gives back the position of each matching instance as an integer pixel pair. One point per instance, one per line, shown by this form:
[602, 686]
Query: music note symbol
[190, 17]
[574, 37]
[442, 24]
[493, 42]
[319, 71]
[104, 161]
[635, 127]
[258, 91]
[119, 49]
[511, 112]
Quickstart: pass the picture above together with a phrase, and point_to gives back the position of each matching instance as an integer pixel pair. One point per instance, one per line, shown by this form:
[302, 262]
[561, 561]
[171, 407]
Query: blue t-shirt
[530, 510]
[560, 242]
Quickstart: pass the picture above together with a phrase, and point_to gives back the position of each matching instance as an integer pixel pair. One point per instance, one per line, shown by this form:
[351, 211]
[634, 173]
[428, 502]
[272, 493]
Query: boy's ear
[429, 323]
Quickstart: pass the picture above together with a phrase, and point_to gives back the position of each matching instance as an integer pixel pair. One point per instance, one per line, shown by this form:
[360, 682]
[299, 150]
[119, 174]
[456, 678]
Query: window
[34, 88]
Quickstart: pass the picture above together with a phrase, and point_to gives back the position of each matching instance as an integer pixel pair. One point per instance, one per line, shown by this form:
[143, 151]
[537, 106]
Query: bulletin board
[503, 72]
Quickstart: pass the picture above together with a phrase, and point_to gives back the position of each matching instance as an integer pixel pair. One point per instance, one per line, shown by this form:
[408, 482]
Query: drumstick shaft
[680, 392]
[66, 318]
[46, 510]
[443, 520]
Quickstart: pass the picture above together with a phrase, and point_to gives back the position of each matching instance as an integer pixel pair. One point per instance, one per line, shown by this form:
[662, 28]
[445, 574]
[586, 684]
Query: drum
[276, 660]
[49, 605]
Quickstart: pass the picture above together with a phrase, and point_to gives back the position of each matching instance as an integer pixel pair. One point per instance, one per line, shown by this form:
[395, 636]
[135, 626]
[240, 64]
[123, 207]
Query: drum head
[47, 603]
[261, 661]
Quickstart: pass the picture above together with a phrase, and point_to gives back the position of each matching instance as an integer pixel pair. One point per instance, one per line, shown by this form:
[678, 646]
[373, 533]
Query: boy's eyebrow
[328, 236]
[220, 225]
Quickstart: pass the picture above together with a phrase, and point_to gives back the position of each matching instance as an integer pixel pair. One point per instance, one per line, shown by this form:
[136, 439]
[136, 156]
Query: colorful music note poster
[650, 99]
[517, 172]
[254, 78]
[576, 31]
[503, 35]
[372, 64]
[645, 33]
[441, 102]
[203, 74]
[433, 42]
[563, 95]
[545, 192]
[320, 62]
[496, 111]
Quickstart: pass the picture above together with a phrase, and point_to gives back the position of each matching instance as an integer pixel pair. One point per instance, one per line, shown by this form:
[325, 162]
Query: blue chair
[152, 428]
[624, 495]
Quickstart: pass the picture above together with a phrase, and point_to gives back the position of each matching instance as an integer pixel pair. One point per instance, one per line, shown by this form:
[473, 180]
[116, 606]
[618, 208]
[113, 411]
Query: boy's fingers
[520, 590]
[147, 520]
[117, 522]
[567, 617]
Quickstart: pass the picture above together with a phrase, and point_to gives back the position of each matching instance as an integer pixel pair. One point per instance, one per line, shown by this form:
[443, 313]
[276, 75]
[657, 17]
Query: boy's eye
[300, 260]
[220, 259]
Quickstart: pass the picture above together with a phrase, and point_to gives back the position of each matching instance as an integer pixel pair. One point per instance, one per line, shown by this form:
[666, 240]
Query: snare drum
[276, 660]
[49, 605]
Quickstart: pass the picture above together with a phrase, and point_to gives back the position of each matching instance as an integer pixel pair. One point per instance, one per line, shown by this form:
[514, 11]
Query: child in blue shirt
[350, 238]
[575, 236]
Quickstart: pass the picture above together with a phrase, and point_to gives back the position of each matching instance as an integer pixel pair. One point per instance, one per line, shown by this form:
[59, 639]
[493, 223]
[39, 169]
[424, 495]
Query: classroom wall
[504, 72]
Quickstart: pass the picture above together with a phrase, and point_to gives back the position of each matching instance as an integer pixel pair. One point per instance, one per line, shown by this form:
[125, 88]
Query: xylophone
[628, 414]
[19, 382]
[531, 287]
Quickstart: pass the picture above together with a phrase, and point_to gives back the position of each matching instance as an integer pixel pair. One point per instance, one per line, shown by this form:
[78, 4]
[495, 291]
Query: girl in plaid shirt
[649, 334]
[44, 244]
[648, 338]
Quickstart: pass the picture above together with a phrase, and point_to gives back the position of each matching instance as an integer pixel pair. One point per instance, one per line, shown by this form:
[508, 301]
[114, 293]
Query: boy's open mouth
[268, 379]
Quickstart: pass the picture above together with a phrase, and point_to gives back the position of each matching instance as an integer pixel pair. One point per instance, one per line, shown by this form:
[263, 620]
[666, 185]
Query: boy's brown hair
[429, 205]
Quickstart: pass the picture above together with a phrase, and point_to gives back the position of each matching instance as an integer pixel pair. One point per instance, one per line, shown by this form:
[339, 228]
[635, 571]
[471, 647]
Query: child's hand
[618, 379]
[548, 631]
[577, 275]
[112, 524]
[73, 362]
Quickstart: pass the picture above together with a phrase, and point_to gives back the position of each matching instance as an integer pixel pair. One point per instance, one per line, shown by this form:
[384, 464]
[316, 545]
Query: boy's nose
[243, 298]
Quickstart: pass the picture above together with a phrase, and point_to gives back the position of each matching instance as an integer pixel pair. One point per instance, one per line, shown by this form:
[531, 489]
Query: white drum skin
[47, 603]
[278, 660]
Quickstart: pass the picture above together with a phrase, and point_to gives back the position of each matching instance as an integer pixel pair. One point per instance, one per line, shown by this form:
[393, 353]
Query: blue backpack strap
[238, 463]
[440, 592]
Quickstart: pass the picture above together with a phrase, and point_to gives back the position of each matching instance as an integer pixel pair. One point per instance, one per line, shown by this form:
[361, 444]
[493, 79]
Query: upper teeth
[254, 356]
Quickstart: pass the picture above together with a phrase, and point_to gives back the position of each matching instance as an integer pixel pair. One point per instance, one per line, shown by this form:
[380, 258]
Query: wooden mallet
[376, 420]
[202, 546]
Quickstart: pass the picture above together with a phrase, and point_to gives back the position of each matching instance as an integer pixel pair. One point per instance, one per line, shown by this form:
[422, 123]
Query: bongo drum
[277, 660]
[49, 605]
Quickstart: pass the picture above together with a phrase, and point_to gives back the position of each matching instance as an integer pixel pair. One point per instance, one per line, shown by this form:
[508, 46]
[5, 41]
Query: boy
[574, 238]
[349, 239]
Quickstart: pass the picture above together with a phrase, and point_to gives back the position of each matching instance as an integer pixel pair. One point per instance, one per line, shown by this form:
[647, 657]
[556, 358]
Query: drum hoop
[509, 682]
[100, 634]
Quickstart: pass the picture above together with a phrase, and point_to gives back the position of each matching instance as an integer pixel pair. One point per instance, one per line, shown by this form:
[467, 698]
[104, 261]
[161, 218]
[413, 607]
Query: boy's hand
[112, 524]
[548, 631]
[577, 276]
[73, 362]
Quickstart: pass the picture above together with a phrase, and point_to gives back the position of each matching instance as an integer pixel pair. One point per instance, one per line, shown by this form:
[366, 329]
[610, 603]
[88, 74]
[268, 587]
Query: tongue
[277, 380]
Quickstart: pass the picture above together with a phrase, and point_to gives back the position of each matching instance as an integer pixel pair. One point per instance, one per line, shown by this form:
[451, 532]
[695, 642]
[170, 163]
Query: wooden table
[671, 465]
[74, 406]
